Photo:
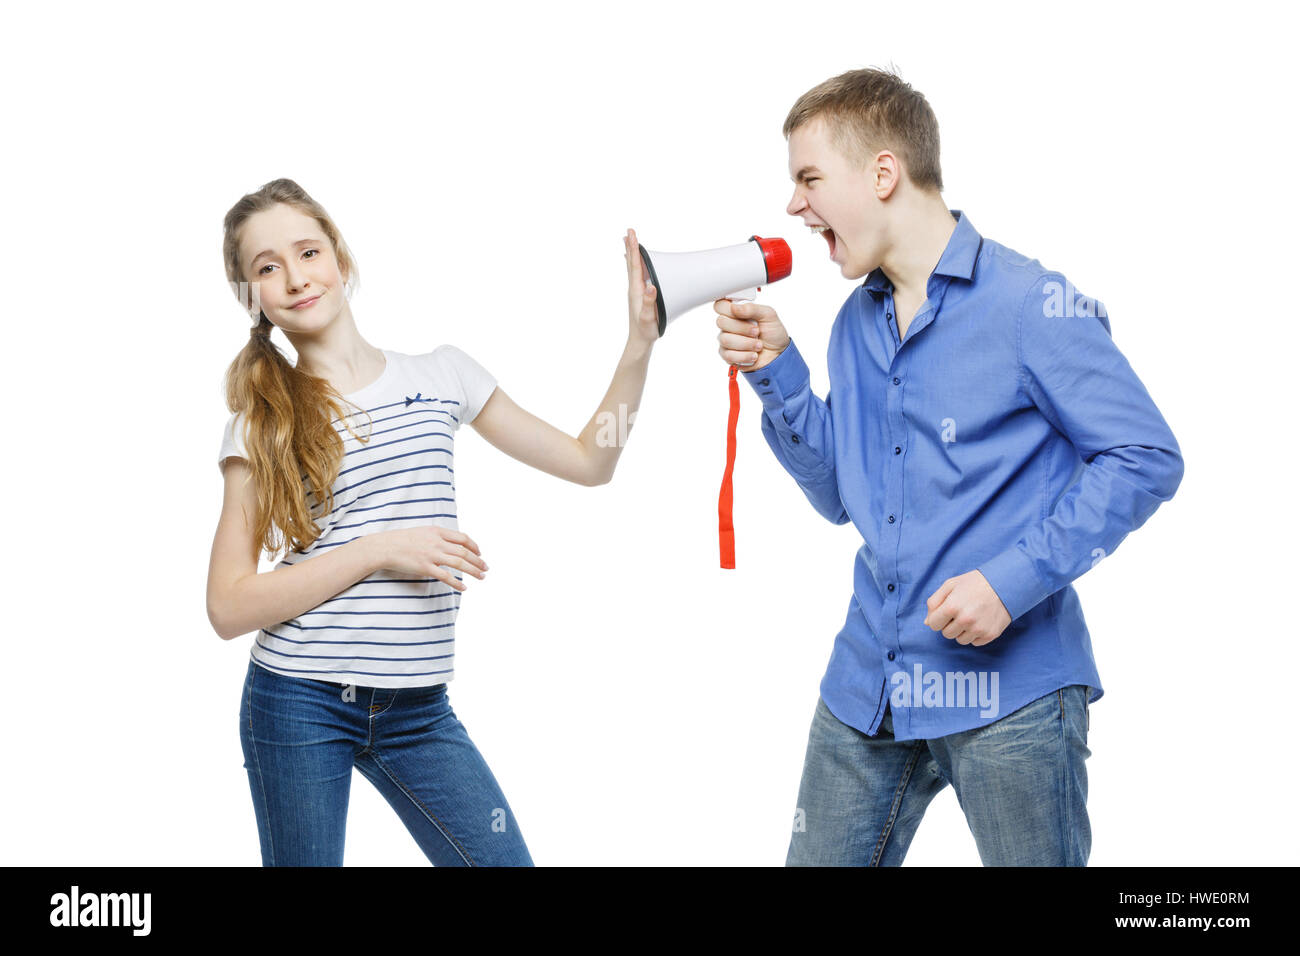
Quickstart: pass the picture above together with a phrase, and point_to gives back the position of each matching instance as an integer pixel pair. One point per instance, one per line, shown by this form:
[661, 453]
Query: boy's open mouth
[828, 234]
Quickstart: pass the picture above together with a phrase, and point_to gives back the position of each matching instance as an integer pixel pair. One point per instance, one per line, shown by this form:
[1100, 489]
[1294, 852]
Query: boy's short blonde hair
[869, 110]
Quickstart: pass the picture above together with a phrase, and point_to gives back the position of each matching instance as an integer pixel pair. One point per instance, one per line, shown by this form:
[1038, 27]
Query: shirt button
[889, 587]
[895, 381]
[891, 519]
[765, 382]
[897, 450]
[889, 315]
[890, 655]
[795, 439]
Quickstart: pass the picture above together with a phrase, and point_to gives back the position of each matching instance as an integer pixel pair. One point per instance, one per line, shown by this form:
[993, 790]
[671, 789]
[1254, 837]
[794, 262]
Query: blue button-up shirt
[1006, 434]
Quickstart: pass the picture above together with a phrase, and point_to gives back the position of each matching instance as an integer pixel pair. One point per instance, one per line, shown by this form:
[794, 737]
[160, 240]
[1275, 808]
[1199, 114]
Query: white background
[638, 704]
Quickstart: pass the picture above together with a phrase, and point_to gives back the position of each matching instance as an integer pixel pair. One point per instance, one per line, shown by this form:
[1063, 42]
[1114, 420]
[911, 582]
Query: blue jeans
[302, 737]
[1020, 781]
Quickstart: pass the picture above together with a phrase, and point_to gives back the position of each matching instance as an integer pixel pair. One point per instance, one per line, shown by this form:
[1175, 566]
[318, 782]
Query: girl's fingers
[459, 537]
[473, 558]
[447, 578]
[466, 566]
[450, 560]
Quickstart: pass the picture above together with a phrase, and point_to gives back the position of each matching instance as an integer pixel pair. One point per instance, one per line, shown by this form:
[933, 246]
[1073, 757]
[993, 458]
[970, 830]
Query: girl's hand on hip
[429, 551]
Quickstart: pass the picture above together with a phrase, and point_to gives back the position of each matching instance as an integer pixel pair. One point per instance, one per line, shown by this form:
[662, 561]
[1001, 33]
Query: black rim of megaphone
[659, 293]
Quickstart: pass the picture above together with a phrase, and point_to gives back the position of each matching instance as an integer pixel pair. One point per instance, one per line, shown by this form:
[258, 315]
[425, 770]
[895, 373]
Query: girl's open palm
[642, 311]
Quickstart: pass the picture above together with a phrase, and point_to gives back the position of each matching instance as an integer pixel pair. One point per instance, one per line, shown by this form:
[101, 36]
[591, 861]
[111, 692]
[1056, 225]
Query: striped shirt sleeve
[232, 442]
[476, 383]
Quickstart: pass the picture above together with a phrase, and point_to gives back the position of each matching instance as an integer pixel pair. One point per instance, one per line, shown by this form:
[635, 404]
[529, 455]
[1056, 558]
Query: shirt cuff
[780, 378]
[1013, 577]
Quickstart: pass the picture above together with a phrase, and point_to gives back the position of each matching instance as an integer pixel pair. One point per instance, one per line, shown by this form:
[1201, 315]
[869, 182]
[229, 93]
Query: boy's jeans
[1020, 781]
[302, 737]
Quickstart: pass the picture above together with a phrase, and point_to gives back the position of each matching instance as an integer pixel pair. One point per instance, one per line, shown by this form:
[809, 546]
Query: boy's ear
[886, 173]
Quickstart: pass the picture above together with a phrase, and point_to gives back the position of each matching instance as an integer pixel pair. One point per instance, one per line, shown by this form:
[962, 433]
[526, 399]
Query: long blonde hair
[288, 414]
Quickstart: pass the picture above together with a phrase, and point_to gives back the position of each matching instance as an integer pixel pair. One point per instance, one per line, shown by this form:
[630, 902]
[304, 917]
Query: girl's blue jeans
[302, 737]
[1020, 781]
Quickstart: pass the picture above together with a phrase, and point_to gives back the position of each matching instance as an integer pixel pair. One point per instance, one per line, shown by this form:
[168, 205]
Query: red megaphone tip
[776, 257]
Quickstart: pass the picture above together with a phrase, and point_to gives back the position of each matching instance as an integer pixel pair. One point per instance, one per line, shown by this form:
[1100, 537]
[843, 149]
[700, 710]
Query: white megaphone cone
[685, 280]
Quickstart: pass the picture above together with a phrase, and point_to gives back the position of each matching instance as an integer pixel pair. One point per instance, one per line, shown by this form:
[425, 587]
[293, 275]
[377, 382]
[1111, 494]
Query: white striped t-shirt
[386, 630]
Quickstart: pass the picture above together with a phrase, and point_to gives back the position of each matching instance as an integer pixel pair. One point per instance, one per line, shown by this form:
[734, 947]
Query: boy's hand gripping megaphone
[684, 280]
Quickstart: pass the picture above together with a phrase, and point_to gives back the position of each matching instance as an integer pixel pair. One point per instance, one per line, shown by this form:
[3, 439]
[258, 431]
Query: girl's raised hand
[643, 314]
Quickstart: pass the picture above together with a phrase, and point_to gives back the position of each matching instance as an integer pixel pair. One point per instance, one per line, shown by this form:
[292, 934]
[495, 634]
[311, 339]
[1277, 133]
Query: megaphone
[685, 280]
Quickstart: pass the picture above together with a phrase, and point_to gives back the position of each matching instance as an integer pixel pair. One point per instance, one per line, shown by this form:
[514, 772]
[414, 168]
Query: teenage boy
[990, 442]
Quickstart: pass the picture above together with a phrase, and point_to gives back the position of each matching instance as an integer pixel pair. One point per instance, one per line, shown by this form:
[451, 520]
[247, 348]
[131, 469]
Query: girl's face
[292, 263]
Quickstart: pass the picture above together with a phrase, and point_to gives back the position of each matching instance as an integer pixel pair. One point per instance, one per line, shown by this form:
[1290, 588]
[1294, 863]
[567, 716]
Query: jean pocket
[1038, 711]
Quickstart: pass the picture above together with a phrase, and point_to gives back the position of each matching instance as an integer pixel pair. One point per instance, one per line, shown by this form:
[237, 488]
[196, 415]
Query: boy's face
[830, 191]
[285, 253]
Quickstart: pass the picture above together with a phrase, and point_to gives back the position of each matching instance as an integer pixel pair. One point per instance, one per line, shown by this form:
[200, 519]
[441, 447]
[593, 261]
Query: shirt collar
[957, 261]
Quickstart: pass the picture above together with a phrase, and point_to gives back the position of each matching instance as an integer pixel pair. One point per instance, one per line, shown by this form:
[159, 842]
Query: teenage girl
[348, 455]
